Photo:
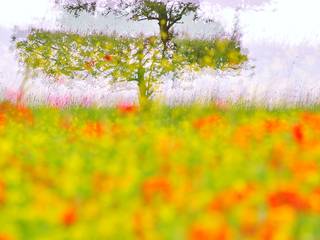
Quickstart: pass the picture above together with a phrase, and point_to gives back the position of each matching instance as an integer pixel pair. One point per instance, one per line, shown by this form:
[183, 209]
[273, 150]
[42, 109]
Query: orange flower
[69, 217]
[226, 200]
[304, 169]
[288, 198]
[273, 125]
[107, 58]
[4, 237]
[201, 233]
[2, 192]
[315, 200]
[311, 119]
[138, 225]
[94, 129]
[2, 119]
[206, 121]
[156, 186]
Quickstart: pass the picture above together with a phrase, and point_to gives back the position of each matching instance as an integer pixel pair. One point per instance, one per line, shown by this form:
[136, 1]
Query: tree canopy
[167, 13]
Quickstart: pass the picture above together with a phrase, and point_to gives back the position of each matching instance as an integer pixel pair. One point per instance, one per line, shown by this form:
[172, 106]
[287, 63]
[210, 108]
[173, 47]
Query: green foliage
[215, 53]
[121, 58]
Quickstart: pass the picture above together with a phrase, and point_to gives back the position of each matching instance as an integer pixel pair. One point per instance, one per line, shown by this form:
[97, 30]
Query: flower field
[159, 173]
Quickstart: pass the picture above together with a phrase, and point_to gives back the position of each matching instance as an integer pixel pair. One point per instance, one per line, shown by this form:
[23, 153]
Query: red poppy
[107, 58]
[69, 217]
[288, 198]
[127, 108]
[297, 133]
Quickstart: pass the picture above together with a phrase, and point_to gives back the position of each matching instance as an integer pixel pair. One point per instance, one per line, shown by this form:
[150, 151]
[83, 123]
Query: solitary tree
[129, 59]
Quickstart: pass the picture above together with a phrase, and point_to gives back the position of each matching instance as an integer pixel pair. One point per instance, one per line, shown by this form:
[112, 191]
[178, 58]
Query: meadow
[196, 172]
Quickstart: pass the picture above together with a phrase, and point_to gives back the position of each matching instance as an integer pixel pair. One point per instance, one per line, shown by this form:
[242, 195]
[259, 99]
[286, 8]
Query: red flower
[69, 217]
[127, 108]
[288, 198]
[107, 58]
[297, 133]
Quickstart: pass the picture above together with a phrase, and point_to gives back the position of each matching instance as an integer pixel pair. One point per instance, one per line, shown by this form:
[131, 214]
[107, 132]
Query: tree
[141, 60]
[117, 58]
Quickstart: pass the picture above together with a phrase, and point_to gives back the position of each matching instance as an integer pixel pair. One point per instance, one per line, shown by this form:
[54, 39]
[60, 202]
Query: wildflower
[297, 133]
[201, 233]
[2, 119]
[138, 225]
[94, 129]
[155, 186]
[127, 108]
[225, 200]
[69, 217]
[304, 169]
[4, 237]
[2, 193]
[312, 120]
[288, 198]
[206, 121]
[166, 146]
[315, 200]
[273, 125]
[24, 113]
[107, 58]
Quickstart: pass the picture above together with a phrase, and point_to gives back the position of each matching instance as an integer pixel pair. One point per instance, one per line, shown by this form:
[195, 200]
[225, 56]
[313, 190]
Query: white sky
[290, 21]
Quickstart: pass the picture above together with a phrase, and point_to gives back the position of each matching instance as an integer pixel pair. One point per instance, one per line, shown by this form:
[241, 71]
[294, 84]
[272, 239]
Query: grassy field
[159, 173]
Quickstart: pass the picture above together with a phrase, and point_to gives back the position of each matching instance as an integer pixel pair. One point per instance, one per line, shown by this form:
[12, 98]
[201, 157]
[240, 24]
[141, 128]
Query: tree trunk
[164, 33]
[143, 97]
